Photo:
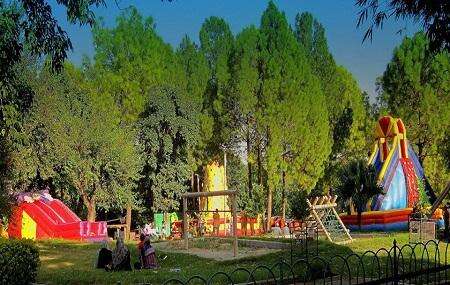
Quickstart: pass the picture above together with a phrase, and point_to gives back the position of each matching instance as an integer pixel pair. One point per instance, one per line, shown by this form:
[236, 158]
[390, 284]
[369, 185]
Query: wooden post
[128, 223]
[185, 225]
[235, 240]
[283, 197]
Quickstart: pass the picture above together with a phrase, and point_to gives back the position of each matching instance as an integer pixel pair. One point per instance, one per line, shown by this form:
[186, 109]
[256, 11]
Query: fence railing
[419, 263]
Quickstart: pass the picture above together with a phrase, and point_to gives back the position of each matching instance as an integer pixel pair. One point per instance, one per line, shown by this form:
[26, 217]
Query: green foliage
[358, 184]
[131, 59]
[19, 261]
[299, 108]
[197, 71]
[255, 203]
[168, 133]
[216, 43]
[416, 88]
[433, 15]
[76, 138]
[344, 100]
[298, 204]
[423, 197]
[30, 25]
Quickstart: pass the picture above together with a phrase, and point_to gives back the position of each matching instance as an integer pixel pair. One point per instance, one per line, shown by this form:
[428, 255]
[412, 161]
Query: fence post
[395, 275]
[292, 238]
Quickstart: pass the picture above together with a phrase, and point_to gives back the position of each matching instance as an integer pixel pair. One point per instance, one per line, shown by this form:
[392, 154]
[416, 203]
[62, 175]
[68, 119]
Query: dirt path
[219, 252]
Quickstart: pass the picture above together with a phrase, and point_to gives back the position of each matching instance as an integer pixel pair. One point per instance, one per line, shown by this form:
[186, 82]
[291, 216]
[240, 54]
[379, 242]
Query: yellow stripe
[374, 152]
[388, 159]
[28, 226]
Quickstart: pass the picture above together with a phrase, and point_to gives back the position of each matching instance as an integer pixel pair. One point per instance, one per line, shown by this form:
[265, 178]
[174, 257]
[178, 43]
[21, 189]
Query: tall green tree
[416, 88]
[76, 138]
[197, 72]
[292, 100]
[245, 88]
[344, 100]
[168, 131]
[130, 59]
[216, 43]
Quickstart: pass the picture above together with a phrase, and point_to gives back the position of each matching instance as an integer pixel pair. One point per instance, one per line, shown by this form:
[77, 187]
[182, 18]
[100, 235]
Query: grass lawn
[64, 262]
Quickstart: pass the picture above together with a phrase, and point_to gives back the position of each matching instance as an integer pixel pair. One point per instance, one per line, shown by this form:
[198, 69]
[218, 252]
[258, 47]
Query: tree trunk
[91, 211]
[258, 161]
[249, 165]
[269, 207]
[128, 222]
[283, 197]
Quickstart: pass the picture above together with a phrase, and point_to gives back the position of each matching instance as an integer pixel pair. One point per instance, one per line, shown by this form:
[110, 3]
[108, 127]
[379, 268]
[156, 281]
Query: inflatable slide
[39, 216]
[401, 176]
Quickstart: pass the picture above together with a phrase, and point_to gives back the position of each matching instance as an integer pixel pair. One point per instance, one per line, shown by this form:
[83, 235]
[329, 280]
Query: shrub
[298, 204]
[19, 261]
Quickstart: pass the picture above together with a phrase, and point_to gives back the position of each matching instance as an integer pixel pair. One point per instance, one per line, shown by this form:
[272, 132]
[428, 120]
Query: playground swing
[193, 195]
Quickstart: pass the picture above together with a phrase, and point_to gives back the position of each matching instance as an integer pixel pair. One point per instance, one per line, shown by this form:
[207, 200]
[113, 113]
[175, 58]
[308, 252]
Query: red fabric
[50, 224]
[15, 223]
[411, 181]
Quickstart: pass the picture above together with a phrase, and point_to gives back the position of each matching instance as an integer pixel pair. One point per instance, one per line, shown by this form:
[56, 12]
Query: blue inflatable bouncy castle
[401, 176]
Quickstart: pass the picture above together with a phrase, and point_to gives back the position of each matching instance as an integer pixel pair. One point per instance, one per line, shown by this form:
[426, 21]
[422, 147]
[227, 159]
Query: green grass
[64, 262]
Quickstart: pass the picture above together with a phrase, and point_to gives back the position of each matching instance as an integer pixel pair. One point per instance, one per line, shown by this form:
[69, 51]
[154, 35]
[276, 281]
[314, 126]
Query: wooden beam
[324, 206]
[342, 224]
[235, 239]
[185, 224]
[439, 199]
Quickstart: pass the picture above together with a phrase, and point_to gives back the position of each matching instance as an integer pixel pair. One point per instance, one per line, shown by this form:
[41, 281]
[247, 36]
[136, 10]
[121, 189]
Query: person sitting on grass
[104, 256]
[121, 257]
[148, 255]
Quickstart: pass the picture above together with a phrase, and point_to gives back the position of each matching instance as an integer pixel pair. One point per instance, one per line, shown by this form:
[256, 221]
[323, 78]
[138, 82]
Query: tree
[245, 87]
[168, 133]
[358, 184]
[415, 87]
[433, 15]
[31, 25]
[196, 71]
[291, 99]
[344, 100]
[28, 28]
[216, 43]
[76, 138]
[130, 59]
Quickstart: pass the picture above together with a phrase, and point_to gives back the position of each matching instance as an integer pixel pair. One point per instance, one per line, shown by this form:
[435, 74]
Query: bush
[298, 204]
[19, 261]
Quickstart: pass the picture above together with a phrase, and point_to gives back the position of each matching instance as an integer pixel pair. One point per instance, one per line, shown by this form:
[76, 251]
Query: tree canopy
[75, 138]
[415, 87]
[433, 15]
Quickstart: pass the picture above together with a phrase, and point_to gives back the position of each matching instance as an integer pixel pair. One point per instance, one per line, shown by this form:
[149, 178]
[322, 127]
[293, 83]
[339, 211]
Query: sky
[366, 61]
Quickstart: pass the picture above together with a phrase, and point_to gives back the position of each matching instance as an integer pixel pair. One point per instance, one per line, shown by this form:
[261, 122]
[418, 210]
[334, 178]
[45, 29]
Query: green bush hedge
[19, 261]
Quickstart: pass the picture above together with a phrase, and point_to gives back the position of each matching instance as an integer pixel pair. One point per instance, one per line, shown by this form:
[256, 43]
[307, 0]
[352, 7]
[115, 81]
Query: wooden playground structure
[194, 195]
[325, 215]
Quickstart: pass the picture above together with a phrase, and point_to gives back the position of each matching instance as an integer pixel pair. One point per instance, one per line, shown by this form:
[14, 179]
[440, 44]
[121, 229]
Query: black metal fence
[419, 263]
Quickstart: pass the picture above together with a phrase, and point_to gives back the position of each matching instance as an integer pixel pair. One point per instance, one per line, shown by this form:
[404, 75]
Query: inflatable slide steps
[50, 218]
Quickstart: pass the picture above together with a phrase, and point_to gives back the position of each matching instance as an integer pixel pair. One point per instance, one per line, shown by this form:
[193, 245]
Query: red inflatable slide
[39, 216]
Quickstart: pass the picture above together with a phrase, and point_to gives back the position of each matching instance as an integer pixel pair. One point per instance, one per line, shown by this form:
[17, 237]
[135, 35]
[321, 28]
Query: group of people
[119, 259]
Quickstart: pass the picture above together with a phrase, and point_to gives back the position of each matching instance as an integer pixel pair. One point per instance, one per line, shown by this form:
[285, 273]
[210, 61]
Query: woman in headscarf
[148, 255]
[121, 256]
[104, 256]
